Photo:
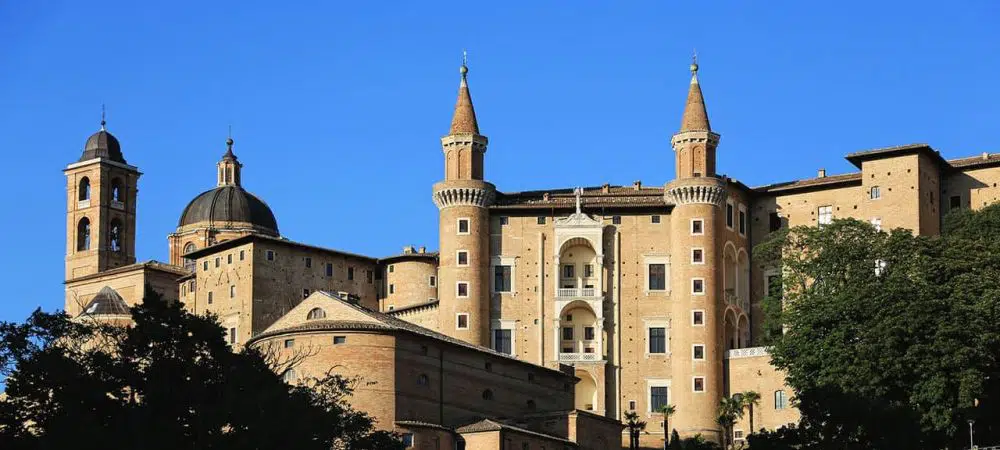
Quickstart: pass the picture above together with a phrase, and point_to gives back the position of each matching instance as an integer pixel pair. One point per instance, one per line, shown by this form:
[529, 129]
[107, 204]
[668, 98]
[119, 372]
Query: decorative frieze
[749, 352]
[696, 190]
[463, 196]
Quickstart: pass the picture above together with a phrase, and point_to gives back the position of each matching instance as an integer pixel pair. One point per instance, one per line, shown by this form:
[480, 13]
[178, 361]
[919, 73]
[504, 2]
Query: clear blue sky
[337, 107]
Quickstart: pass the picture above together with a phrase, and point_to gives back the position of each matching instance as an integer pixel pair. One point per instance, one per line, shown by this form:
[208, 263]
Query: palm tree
[635, 426]
[730, 410]
[749, 399]
[667, 411]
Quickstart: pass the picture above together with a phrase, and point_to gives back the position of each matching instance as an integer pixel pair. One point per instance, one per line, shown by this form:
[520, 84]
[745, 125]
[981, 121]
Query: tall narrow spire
[464, 121]
[103, 122]
[695, 115]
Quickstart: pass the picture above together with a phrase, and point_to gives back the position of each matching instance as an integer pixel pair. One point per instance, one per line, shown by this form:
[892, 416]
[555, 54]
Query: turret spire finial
[103, 122]
[694, 62]
[465, 64]
[229, 140]
[464, 120]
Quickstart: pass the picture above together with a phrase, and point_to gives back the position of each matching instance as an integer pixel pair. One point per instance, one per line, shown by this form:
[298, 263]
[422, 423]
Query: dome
[103, 145]
[230, 204]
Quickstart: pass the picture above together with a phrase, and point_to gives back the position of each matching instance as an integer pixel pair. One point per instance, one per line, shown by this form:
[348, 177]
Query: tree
[168, 381]
[730, 410]
[635, 427]
[900, 327]
[749, 399]
[667, 411]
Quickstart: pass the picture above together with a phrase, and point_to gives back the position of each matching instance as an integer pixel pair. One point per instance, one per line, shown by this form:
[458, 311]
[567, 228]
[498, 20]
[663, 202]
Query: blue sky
[337, 107]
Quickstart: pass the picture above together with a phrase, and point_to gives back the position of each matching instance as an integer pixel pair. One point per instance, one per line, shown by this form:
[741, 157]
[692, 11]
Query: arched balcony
[736, 330]
[736, 267]
[579, 266]
[579, 333]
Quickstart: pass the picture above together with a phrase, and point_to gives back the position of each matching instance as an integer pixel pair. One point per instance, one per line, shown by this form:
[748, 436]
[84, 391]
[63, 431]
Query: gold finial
[694, 62]
[465, 63]
[103, 122]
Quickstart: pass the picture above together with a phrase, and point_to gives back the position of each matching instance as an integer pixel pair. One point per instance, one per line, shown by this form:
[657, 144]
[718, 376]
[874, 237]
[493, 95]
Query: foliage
[697, 442]
[748, 400]
[889, 337]
[730, 410]
[634, 427]
[667, 411]
[168, 381]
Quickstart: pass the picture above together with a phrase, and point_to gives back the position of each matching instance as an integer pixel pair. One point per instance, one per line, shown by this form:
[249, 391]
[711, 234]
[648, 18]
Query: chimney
[821, 174]
[606, 188]
[407, 249]
[637, 184]
[986, 156]
[422, 249]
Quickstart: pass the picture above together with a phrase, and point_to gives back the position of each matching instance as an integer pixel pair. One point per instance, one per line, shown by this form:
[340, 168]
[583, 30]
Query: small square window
[698, 352]
[463, 289]
[309, 262]
[698, 318]
[463, 226]
[875, 193]
[242, 254]
[567, 333]
[588, 333]
[699, 384]
[432, 281]
[329, 269]
[463, 258]
[205, 265]
[588, 270]
[289, 343]
[541, 220]
[350, 273]
[697, 256]
[631, 405]
[391, 268]
[462, 321]
[616, 220]
[229, 259]
[337, 340]
[218, 261]
[270, 255]
[697, 227]
[392, 289]
[654, 219]
[503, 220]
[825, 215]
[569, 317]
[305, 293]
[697, 286]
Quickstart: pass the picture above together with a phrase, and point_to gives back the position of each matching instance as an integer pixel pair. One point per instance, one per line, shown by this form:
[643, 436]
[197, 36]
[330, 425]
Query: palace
[543, 317]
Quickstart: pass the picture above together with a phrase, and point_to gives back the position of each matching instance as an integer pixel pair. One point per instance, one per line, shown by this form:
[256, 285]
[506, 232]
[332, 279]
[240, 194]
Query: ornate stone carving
[463, 196]
[696, 190]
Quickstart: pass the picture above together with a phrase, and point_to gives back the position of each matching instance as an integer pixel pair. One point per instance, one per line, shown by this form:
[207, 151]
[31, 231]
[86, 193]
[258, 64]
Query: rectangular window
[338, 340]
[289, 343]
[463, 289]
[697, 227]
[616, 220]
[232, 291]
[588, 333]
[463, 258]
[697, 286]
[392, 289]
[407, 440]
[569, 271]
[391, 268]
[350, 273]
[773, 222]
[229, 259]
[218, 261]
[657, 398]
[209, 298]
[270, 255]
[501, 341]
[567, 333]
[780, 401]
[329, 269]
[699, 384]
[242, 254]
[631, 405]
[501, 279]
[305, 293]
[463, 226]
[737, 435]
[232, 335]
[205, 265]
[697, 318]
[657, 277]
[875, 193]
[309, 262]
[503, 220]
[588, 270]
[698, 352]
[369, 276]
[697, 256]
[541, 220]
[432, 281]
[729, 215]
[825, 215]
[657, 340]
[955, 202]
[462, 321]
[654, 219]
[877, 223]
[743, 222]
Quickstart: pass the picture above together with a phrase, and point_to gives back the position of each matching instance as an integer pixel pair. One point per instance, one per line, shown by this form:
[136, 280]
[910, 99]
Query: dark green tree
[169, 381]
[889, 337]
[634, 427]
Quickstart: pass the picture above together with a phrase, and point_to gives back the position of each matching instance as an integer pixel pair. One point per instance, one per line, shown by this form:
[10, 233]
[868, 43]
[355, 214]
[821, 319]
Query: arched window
[487, 395]
[115, 236]
[116, 190]
[83, 235]
[779, 400]
[288, 376]
[316, 313]
[84, 191]
[189, 263]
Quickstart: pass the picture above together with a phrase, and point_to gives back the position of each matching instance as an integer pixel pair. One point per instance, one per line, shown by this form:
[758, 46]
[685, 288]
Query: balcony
[579, 357]
[735, 300]
[576, 292]
[117, 204]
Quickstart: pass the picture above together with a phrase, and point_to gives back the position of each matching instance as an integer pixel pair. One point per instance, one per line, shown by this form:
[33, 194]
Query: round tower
[463, 199]
[697, 237]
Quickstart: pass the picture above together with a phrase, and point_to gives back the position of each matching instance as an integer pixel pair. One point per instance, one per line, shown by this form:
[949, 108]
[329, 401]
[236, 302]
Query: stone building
[544, 316]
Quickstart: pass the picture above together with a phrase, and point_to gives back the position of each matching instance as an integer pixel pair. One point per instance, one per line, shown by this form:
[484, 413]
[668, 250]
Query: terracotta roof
[419, 424]
[464, 121]
[429, 304]
[695, 116]
[492, 425]
[974, 161]
[258, 237]
[857, 158]
[811, 183]
[593, 197]
[406, 256]
[147, 265]
[389, 323]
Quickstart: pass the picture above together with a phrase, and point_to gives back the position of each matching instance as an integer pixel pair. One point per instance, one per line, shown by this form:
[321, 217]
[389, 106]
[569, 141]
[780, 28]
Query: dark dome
[103, 145]
[229, 204]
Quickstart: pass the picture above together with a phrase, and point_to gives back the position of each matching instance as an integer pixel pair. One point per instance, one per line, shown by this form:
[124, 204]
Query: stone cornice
[476, 141]
[449, 194]
[704, 190]
[695, 137]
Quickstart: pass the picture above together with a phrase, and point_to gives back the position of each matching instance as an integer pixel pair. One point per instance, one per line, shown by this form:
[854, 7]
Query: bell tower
[101, 193]
[463, 199]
